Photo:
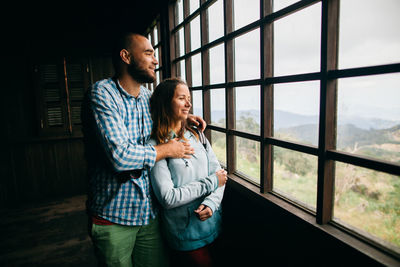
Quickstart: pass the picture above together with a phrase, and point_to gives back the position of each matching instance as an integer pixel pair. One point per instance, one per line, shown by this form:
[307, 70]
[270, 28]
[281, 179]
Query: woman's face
[181, 103]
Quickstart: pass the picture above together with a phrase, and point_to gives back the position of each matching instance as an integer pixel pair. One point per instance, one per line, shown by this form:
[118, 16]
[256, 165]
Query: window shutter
[77, 70]
[60, 85]
[49, 81]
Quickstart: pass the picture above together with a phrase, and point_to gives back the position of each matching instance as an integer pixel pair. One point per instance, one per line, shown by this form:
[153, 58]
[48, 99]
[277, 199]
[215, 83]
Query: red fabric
[100, 221]
[195, 258]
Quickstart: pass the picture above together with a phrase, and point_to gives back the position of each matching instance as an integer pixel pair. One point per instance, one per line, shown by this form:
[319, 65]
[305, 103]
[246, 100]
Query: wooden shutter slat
[54, 116]
[76, 114]
[49, 73]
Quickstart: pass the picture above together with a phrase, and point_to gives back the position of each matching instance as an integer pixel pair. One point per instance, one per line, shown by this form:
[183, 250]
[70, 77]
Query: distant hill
[284, 119]
[348, 135]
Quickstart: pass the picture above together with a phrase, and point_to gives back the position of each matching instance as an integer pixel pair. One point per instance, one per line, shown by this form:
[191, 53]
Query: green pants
[120, 245]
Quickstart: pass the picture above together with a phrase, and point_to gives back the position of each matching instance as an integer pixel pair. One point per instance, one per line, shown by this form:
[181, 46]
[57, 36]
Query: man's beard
[138, 74]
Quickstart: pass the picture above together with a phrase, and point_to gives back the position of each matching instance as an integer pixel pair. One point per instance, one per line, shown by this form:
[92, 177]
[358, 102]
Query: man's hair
[123, 41]
[161, 110]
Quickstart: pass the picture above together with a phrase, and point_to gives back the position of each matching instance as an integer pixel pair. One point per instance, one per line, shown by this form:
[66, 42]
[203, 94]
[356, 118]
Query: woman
[190, 190]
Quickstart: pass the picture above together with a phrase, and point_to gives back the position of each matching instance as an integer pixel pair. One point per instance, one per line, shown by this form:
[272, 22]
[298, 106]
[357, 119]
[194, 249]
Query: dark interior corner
[251, 237]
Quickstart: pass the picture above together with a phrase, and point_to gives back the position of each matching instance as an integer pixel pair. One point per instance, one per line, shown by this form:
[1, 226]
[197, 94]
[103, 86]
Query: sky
[368, 36]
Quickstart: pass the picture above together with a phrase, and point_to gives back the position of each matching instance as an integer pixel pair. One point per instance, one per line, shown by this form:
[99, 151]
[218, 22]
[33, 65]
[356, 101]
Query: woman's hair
[161, 111]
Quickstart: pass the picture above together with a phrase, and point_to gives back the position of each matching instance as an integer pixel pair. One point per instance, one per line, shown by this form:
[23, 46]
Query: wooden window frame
[328, 75]
[162, 55]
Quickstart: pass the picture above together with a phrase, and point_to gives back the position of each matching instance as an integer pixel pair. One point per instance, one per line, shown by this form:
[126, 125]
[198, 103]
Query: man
[117, 126]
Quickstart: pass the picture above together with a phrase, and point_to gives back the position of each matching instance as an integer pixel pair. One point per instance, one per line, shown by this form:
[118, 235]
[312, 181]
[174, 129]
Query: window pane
[157, 56]
[248, 158]
[215, 21]
[248, 109]
[279, 4]
[195, 33]
[150, 86]
[194, 4]
[295, 176]
[369, 116]
[180, 43]
[217, 64]
[297, 42]
[296, 109]
[368, 201]
[369, 36]
[157, 77]
[218, 107]
[197, 101]
[196, 70]
[245, 12]
[155, 33]
[247, 56]
[218, 141]
[178, 12]
[149, 38]
[181, 71]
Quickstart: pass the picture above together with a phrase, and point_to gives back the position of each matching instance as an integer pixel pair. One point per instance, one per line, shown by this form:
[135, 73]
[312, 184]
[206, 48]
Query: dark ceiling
[82, 24]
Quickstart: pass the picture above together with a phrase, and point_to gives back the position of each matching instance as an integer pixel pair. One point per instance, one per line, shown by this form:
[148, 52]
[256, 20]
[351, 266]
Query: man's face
[143, 63]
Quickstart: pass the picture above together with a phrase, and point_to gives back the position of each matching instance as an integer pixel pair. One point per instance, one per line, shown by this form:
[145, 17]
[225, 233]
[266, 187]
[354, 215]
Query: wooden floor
[46, 234]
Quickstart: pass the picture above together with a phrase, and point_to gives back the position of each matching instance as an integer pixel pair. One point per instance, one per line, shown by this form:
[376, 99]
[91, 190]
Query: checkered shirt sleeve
[123, 125]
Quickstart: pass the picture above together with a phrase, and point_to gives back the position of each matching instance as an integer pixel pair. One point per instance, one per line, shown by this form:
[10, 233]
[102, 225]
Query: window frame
[328, 76]
[162, 57]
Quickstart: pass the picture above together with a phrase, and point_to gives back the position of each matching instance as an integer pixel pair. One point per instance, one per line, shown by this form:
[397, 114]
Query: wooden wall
[44, 169]
[34, 167]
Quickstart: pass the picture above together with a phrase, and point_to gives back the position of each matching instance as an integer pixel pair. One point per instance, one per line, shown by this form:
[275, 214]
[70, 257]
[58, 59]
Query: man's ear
[125, 56]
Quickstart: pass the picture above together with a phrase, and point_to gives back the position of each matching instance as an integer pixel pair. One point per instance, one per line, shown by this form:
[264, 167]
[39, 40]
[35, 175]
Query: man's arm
[122, 152]
[173, 149]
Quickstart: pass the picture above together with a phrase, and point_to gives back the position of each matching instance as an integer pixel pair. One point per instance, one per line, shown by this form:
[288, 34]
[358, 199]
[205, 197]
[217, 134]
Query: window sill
[252, 191]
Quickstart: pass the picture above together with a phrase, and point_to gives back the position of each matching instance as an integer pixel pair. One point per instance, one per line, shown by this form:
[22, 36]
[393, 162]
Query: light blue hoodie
[180, 186]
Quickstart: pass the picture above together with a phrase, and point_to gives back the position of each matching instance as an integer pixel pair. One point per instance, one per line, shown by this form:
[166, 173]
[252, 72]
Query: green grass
[365, 199]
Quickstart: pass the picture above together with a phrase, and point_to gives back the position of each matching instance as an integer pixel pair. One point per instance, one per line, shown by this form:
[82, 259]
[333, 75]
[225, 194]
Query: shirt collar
[126, 94]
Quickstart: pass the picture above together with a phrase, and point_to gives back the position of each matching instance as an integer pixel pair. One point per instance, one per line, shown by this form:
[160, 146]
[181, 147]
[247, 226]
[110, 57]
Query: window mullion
[267, 107]
[172, 41]
[188, 60]
[327, 127]
[205, 68]
[230, 91]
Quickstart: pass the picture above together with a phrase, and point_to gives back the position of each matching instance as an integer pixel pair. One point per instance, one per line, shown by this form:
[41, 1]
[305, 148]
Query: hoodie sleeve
[171, 197]
[215, 198]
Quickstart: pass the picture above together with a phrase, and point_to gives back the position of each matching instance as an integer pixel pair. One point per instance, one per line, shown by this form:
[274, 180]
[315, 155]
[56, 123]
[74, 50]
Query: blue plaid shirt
[122, 124]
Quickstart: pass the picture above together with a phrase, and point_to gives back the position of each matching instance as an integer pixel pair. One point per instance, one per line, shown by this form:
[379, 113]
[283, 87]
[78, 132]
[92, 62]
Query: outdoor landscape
[365, 200]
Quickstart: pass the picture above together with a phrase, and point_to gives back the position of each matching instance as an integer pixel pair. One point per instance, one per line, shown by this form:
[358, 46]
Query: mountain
[284, 119]
[348, 135]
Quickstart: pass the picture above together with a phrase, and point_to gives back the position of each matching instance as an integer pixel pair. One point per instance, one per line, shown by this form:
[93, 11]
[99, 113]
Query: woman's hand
[204, 212]
[222, 176]
[197, 121]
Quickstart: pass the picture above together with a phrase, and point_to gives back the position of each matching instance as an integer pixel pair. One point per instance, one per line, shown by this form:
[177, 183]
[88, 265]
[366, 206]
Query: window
[153, 34]
[302, 100]
[60, 84]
